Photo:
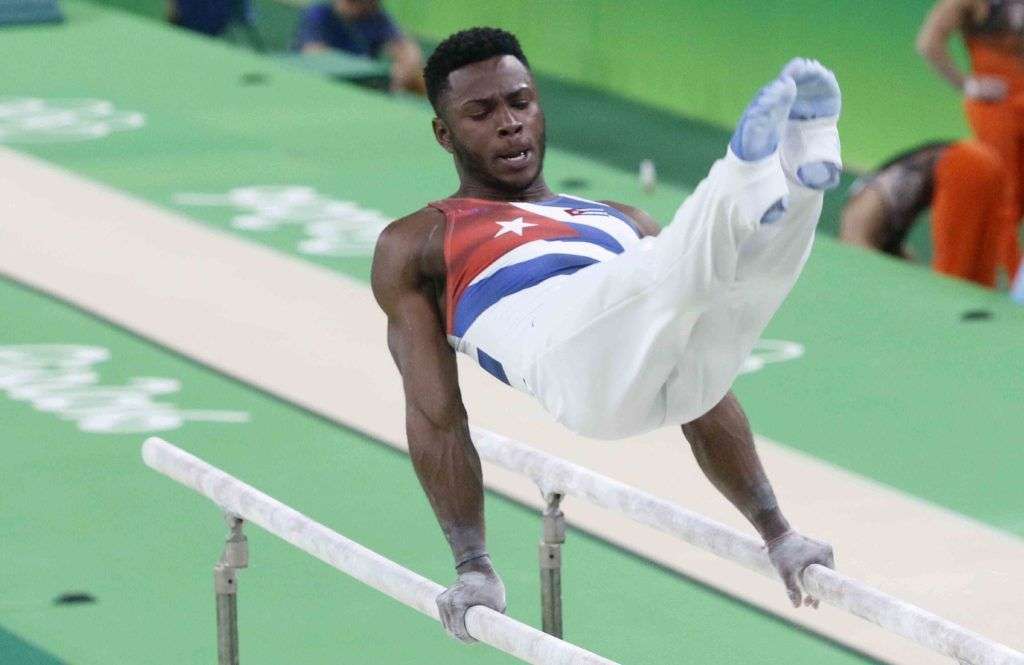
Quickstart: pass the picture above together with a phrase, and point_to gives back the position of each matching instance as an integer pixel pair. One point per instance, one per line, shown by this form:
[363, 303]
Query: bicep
[416, 336]
[425, 361]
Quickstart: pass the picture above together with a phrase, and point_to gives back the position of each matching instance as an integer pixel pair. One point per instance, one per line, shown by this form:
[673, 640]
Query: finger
[458, 622]
[793, 589]
[444, 609]
[817, 603]
[453, 621]
[461, 632]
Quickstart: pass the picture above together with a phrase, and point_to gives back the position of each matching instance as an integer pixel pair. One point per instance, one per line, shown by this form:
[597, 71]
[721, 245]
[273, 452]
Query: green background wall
[705, 58]
[702, 59]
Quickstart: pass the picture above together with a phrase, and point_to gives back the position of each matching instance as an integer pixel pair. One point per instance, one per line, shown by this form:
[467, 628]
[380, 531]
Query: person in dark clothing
[209, 17]
[964, 184]
[363, 28]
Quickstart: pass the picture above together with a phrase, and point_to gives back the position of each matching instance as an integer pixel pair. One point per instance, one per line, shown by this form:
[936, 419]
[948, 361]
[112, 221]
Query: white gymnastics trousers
[656, 335]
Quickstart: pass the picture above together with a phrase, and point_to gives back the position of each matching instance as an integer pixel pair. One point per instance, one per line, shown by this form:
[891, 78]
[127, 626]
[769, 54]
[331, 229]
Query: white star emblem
[516, 226]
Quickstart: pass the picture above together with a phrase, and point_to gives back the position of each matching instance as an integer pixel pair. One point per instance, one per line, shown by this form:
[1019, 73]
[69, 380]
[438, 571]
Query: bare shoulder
[407, 233]
[644, 222]
[401, 259]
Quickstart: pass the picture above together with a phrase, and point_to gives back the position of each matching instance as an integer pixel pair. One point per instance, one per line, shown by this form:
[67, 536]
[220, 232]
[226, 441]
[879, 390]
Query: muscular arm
[946, 18]
[723, 445]
[442, 452]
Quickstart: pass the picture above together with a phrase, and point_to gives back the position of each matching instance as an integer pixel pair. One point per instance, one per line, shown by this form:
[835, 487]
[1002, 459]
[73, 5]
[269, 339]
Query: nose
[509, 124]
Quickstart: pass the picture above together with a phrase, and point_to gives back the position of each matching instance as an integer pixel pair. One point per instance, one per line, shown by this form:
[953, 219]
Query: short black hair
[465, 48]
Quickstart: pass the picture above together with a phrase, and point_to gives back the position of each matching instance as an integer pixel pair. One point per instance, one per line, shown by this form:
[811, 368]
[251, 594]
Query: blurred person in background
[993, 31]
[1017, 292]
[209, 17]
[363, 28]
[963, 182]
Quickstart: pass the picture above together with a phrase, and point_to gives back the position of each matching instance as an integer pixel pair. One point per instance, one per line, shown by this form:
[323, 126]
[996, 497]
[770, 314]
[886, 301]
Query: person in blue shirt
[209, 17]
[363, 28]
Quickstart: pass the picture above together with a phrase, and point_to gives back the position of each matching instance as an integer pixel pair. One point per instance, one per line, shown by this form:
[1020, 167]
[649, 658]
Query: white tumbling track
[316, 339]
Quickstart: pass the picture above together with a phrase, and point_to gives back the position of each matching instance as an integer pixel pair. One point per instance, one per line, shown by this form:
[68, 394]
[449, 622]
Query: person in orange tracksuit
[993, 31]
[964, 183]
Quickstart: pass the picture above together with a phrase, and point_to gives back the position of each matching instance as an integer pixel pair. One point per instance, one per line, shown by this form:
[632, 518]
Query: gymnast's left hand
[477, 585]
[791, 554]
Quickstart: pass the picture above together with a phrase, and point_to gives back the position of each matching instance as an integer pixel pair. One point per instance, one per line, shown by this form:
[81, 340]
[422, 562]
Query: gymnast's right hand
[478, 584]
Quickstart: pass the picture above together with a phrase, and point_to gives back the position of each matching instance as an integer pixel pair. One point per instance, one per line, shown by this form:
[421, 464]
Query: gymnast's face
[492, 123]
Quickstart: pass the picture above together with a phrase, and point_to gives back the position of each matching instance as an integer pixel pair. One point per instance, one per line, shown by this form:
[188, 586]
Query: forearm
[724, 448]
[448, 468]
[942, 62]
[934, 37]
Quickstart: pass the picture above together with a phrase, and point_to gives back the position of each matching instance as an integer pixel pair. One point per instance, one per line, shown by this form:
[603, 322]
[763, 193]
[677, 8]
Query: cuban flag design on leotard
[494, 249]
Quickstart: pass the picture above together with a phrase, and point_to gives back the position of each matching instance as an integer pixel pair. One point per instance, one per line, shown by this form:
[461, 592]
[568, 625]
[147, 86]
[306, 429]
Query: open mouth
[514, 158]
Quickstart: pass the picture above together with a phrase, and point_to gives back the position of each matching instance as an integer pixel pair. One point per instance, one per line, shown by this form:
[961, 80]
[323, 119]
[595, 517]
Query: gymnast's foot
[811, 151]
[759, 131]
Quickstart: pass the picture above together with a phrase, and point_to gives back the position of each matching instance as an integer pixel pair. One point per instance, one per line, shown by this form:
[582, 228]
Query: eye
[521, 103]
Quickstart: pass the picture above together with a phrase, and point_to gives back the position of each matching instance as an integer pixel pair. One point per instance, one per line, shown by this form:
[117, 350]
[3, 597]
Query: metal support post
[234, 556]
[551, 566]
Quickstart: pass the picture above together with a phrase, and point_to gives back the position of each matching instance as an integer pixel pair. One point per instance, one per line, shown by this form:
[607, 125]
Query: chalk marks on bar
[237, 498]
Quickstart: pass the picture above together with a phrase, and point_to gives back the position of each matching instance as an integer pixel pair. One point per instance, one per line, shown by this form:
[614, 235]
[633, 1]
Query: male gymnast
[613, 327]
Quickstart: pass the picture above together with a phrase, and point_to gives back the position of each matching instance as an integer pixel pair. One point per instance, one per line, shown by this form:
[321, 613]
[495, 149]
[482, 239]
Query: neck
[537, 191]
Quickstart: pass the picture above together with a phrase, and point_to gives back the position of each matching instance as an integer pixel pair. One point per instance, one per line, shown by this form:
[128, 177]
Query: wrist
[467, 543]
[771, 524]
[769, 544]
[481, 563]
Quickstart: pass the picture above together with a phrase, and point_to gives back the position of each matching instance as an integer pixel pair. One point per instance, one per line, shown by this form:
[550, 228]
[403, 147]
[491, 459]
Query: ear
[442, 135]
